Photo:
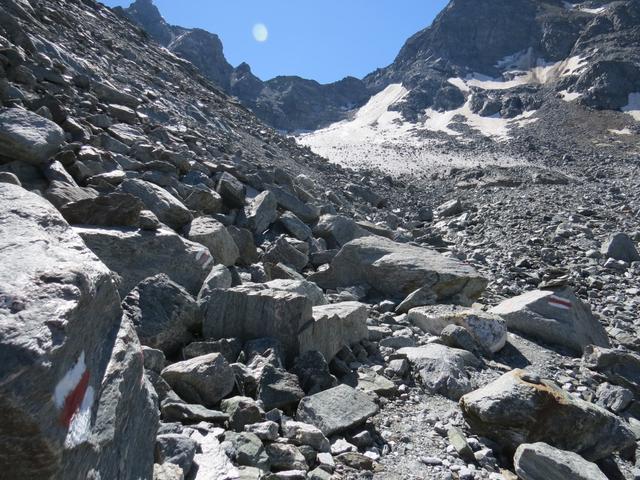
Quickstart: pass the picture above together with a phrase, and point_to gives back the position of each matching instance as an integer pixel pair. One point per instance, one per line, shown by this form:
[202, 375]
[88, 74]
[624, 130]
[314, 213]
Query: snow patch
[582, 8]
[623, 131]
[633, 108]
[569, 96]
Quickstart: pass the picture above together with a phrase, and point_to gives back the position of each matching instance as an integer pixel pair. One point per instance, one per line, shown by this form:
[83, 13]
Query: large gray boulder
[441, 369]
[256, 311]
[554, 316]
[488, 330]
[28, 137]
[287, 201]
[336, 410]
[620, 247]
[169, 210]
[203, 380]
[214, 235]
[539, 461]
[335, 326]
[126, 422]
[621, 367]
[261, 212]
[302, 287]
[397, 270]
[521, 408]
[163, 313]
[137, 254]
[61, 353]
[111, 210]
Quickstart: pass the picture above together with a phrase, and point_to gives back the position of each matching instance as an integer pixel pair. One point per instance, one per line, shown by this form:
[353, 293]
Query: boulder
[521, 408]
[255, 311]
[300, 433]
[287, 201]
[230, 348]
[203, 200]
[203, 380]
[190, 413]
[242, 411]
[442, 370]
[246, 246]
[231, 190]
[313, 372]
[284, 457]
[281, 251]
[166, 207]
[556, 316]
[449, 209]
[333, 327]
[111, 210]
[621, 367]
[295, 226]
[246, 449]
[278, 388]
[620, 247]
[164, 314]
[261, 212]
[59, 316]
[214, 235]
[28, 137]
[396, 270]
[489, 331]
[219, 277]
[539, 461]
[126, 419]
[138, 254]
[338, 230]
[336, 410]
[177, 449]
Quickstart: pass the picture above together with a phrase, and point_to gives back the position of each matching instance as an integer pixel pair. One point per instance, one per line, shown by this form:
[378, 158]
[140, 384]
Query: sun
[260, 32]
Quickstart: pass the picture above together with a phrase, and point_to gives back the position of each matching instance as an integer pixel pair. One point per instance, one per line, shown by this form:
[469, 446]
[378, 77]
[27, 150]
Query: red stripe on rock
[74, 400]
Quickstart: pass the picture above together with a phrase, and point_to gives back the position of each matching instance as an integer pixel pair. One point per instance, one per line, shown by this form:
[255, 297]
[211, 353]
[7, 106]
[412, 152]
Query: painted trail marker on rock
[559, 302]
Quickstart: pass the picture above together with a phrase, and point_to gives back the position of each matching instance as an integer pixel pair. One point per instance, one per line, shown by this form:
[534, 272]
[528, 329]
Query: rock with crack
[203, 380]
[337, 409]
[28, 137]
[255, 311]
[164, 314]
[112, 210]
[333, 327]
[169, 210]
[488, 330]
[397, 270]
[338, 230]
[556, 316]
[261, 212]
[540, 461]
[214, 235]
[442, 369]
[621, 367]
[59, 317]
[282, 251]
[137, 254]
[521, 408]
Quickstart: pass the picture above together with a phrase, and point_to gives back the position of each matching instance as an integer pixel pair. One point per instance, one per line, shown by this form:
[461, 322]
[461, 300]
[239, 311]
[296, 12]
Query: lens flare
[260, 32]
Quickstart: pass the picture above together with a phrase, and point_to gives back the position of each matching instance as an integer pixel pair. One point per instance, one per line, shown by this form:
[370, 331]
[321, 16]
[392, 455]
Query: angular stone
[137, 254]
[621, 367]
[620, 247]
[219, 277]
[305, 212]
[442, 369]
[336, 410]
[261, 212]
[247, 449]
[300, 433]
[283, 252]
[167, 208]
[230, 348]
[338, 230]
[520, 408]
[489, 331]
[203, 200]
[539, 461]
[555, 316]
[313, 372]
[204, 380]
[28, 137]
[232, 190]
[397, 270]
[285, 457]
[278, 388]
[164, 314]
[295, 226]
[214, 235]
[111, 210]
[269, 430]
[188, 414]
[177, 449]
[254, 311]
[334, 327]
[242, 411]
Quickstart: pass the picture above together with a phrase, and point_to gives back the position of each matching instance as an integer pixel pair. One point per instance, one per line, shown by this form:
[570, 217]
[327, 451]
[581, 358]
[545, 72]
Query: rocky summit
[186, 293]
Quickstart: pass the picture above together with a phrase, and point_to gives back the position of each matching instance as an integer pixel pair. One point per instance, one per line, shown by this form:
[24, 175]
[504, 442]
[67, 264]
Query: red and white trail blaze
[73, 396]
[559, 302]
[204, 258]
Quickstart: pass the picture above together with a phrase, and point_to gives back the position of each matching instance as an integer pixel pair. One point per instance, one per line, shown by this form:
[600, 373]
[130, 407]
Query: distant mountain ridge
[287, 103]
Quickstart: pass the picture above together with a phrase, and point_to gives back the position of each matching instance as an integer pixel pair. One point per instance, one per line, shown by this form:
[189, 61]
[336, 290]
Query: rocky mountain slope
[184, 293]
[286, 103]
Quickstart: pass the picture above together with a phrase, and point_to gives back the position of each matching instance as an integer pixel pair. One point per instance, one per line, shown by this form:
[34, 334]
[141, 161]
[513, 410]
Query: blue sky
[324, 40]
